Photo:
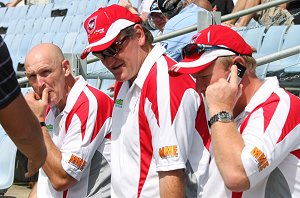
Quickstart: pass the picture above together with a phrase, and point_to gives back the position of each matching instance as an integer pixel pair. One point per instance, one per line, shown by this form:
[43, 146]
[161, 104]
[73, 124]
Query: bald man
[78, 121]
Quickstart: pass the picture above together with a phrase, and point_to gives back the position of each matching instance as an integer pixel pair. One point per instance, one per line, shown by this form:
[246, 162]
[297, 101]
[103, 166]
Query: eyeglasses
[113, 50]
[193, 48]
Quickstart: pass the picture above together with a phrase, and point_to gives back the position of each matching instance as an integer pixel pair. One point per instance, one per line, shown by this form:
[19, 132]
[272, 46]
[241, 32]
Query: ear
[140, 34]
[238, 59]
[66, 67]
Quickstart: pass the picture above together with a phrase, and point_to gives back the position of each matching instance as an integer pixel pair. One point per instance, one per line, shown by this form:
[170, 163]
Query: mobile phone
[240, 71]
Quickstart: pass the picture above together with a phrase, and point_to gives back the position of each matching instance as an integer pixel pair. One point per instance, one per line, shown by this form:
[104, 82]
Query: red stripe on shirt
[201, 125]
[296, 153]
[237, 194]
[65, 193]
[104, 109]
[178, 85]
[292, 120]
[269, 108]
[81, 109]
[145, 139]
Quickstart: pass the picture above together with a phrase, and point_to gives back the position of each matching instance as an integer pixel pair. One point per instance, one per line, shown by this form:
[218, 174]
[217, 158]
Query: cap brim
[97, 48]
[199, 62]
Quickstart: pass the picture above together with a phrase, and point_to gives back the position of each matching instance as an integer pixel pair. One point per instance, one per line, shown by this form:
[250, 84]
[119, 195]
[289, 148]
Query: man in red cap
[254, 125]
[156, 150]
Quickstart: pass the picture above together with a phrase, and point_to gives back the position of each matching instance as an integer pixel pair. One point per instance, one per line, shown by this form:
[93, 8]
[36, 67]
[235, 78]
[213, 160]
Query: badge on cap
[91, 24]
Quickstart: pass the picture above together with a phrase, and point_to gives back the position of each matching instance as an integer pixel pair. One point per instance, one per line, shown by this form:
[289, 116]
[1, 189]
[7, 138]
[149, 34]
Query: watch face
[225, 116]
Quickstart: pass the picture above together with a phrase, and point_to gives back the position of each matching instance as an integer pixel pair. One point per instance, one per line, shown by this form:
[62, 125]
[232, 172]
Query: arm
[25, 131]
[13, 3]
[171, 183]
[204, 4]
[58, 177]
[226, 141]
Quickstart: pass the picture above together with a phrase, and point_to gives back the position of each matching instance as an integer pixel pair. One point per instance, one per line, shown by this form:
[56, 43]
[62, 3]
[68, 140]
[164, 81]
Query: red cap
[215, 35]
[104, 25]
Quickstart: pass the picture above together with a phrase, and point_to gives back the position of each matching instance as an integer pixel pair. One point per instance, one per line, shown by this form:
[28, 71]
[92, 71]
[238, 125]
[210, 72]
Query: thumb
[45, 95]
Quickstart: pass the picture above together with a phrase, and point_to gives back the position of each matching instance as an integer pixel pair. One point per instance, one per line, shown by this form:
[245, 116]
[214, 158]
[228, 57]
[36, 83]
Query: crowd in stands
[189, 116]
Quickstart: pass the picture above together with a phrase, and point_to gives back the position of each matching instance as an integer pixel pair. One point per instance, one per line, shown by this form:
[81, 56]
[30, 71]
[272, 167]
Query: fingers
[45, 95]
[234, 81]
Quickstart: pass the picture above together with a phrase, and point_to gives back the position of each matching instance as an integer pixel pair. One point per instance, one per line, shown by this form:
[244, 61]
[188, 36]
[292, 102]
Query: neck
[250, 87]
[69, 83]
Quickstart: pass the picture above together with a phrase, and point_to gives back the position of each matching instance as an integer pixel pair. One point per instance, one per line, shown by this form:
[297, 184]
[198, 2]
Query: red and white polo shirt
[79, 132]
[270, 127]
[154, 129]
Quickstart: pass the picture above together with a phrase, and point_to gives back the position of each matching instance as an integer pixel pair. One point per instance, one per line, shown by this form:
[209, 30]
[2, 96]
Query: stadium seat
[47, 22]
[269, 46]
[9, 39]
[81, 43]
[55, 27]
[9, 14]
[69, 42]
[14, 48]
[254, 36]
[2, 13]
[28, 25]
[35, 11]
[20, 12]
[48, 37]
[81, 7]
[37, 39]
[19, 28]
[291, 63]
[66, 24]
[76, 23]
[7, 161]
[110, 2]
[11, 26]
[23, 48]
[59, 38]
[37, 26]
[72, 8]
[47, 10]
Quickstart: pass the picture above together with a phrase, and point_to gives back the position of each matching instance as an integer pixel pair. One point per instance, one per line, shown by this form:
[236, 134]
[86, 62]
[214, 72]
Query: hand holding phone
[240, 72]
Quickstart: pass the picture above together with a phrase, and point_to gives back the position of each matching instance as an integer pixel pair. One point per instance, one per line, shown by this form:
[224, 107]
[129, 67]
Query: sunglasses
[193, 48]
[113, 50]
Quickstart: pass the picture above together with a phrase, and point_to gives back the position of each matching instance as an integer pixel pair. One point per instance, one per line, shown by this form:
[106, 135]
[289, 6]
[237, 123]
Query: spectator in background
[78, 120]
[181, 14]
[156, 149]
[16, 117]
[277, 15]
[157, 17]
[14, 3]
[255, 126]
[223, 6]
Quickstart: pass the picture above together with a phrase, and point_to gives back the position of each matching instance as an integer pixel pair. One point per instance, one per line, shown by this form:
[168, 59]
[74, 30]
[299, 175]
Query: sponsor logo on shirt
[119, 103]
[49, 127]
[77, 162]
[168, 152]
[260, 157]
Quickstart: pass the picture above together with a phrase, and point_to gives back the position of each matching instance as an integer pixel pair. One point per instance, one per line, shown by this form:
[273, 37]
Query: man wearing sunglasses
[255, 125]
[156, 149]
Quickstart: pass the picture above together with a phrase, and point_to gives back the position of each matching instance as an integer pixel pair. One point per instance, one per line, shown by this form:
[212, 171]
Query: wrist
[43, 124]
[221, 116]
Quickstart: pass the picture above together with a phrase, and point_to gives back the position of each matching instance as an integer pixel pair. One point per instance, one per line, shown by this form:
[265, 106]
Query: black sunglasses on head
[113, 50]
[194, 48]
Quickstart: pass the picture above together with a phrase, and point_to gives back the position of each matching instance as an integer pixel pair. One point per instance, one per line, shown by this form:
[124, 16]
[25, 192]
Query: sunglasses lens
[190, 50]
[109, 52]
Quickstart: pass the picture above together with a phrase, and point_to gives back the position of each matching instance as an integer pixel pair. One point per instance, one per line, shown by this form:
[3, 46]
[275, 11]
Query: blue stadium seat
[76, 23]
[66, 23]
[48, 37]
[14, 48]
[24, 46]
[47, 22]
[47, 10]
[72, 8]
[55, 27]
[81, 43]
[35, 11]
[20, 12]
[37, 39]
[2, 13]
[20, 26]
[37, 26]
[28, 25]
[254, 37]
[9, 39]
[69, 42]
[11, 26]
[59, 38]
[110, 2]
[7, 161]
[81, 7]
[292, 63]
[100, 4]
[9, 14]
[270, 45]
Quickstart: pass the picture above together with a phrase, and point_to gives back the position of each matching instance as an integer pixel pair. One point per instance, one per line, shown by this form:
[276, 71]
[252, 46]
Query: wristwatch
[222, 116]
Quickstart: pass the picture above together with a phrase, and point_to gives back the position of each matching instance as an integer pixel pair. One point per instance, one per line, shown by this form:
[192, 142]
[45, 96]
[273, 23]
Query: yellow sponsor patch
[260, 157]
[168, 151]
[77, 162]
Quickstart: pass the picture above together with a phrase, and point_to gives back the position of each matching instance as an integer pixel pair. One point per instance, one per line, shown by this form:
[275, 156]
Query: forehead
[35, 64]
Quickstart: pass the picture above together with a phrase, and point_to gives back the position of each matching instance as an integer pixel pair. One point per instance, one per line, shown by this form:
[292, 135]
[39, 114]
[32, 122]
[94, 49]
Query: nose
[41, 85]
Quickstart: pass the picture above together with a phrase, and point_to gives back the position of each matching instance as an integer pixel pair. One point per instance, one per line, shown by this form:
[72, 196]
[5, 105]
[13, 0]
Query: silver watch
[222, 116]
